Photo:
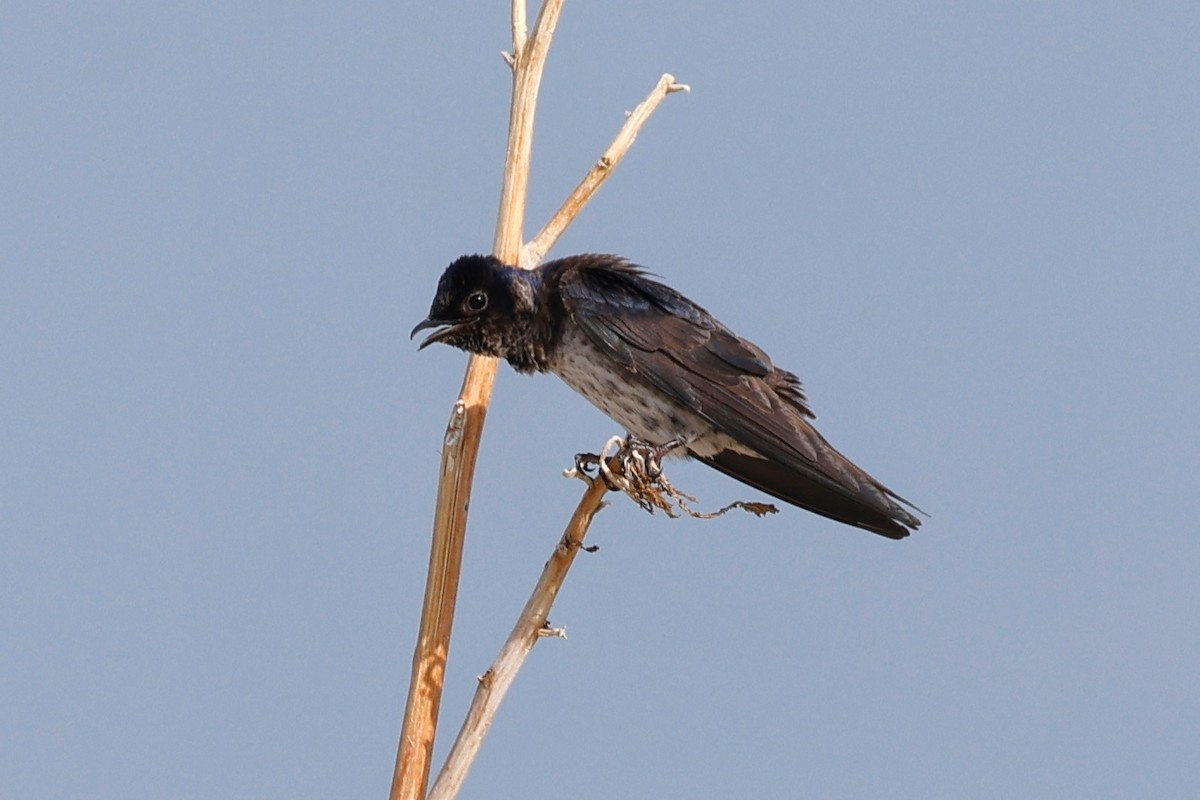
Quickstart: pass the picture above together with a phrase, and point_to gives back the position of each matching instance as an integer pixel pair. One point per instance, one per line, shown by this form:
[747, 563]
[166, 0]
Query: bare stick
[536, 249]
[528, 62]
[492, 689]
[519, 30]
[465, 428]
[496, 681]
[530, 627]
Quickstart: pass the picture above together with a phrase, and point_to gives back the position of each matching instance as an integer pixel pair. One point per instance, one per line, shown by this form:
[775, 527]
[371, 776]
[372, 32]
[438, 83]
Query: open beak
[436, 336]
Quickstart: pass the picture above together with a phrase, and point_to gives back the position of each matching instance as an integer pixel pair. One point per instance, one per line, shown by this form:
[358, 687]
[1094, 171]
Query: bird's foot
[631, 466]
[639, 472]
[634, 468]
[637, 459]
[647, 457]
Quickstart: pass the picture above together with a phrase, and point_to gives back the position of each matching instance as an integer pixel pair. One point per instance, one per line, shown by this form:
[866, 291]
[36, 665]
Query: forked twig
[461, 445]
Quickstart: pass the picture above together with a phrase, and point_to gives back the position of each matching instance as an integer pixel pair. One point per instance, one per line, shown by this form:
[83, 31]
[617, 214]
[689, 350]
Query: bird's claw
[637, 472]
[630, 465]
[649, 456]
[636, 460]
[589, 466]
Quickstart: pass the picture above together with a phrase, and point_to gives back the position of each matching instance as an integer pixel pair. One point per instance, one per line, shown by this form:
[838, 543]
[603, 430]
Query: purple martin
[663, 368]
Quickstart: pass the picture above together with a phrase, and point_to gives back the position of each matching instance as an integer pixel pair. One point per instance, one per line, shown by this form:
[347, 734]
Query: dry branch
[530, 626]
[624, 471]
[485, 706]
[463, 433]
[465, 428]
[537, 248]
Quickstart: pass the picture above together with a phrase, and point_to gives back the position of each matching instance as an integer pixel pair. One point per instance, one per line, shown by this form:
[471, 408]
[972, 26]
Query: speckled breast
[623, 394]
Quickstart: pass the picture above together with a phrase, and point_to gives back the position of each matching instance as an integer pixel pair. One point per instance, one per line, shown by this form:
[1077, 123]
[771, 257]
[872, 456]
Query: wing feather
[682, 350]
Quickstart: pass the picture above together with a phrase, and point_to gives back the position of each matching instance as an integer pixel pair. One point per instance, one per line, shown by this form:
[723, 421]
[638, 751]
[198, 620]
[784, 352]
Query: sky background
[973, 231]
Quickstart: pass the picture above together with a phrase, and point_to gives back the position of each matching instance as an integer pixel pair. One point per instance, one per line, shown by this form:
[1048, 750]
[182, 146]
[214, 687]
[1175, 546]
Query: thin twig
[464, 431]
[623, 471]
[531, 256]
[527, 79]
[519, 28]
[461, 446]
[530, 627]
[537, 248]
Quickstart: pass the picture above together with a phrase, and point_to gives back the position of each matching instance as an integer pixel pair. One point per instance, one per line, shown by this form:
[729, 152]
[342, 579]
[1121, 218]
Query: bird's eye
[477, 301]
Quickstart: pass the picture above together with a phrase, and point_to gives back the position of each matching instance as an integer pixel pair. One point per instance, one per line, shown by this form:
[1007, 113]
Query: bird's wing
[682, 350]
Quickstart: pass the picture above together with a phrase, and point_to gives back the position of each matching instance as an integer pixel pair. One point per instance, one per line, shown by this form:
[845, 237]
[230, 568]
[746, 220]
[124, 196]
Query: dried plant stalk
[537, 248]
[494, 684]
[463, 433]
[650, 490]
[531, 625]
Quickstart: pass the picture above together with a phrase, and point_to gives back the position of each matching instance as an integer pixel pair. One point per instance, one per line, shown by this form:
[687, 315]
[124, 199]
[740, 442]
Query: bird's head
[481, 306]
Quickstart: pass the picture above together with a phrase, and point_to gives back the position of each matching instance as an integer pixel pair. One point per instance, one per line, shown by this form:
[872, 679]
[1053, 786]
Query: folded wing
[730, 382]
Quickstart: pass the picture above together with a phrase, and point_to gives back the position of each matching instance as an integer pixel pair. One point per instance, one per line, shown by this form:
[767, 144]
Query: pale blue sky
[971, 230]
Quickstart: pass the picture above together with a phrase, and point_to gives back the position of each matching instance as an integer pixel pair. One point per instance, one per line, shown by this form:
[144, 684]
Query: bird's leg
[648, 457]
[638, 474]
[663, 450]
[640, 463]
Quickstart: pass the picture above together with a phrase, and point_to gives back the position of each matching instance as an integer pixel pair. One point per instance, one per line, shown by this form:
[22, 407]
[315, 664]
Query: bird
[665, 369]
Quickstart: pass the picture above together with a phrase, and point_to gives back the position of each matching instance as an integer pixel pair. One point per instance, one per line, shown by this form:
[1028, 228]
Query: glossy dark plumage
[664, 368]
